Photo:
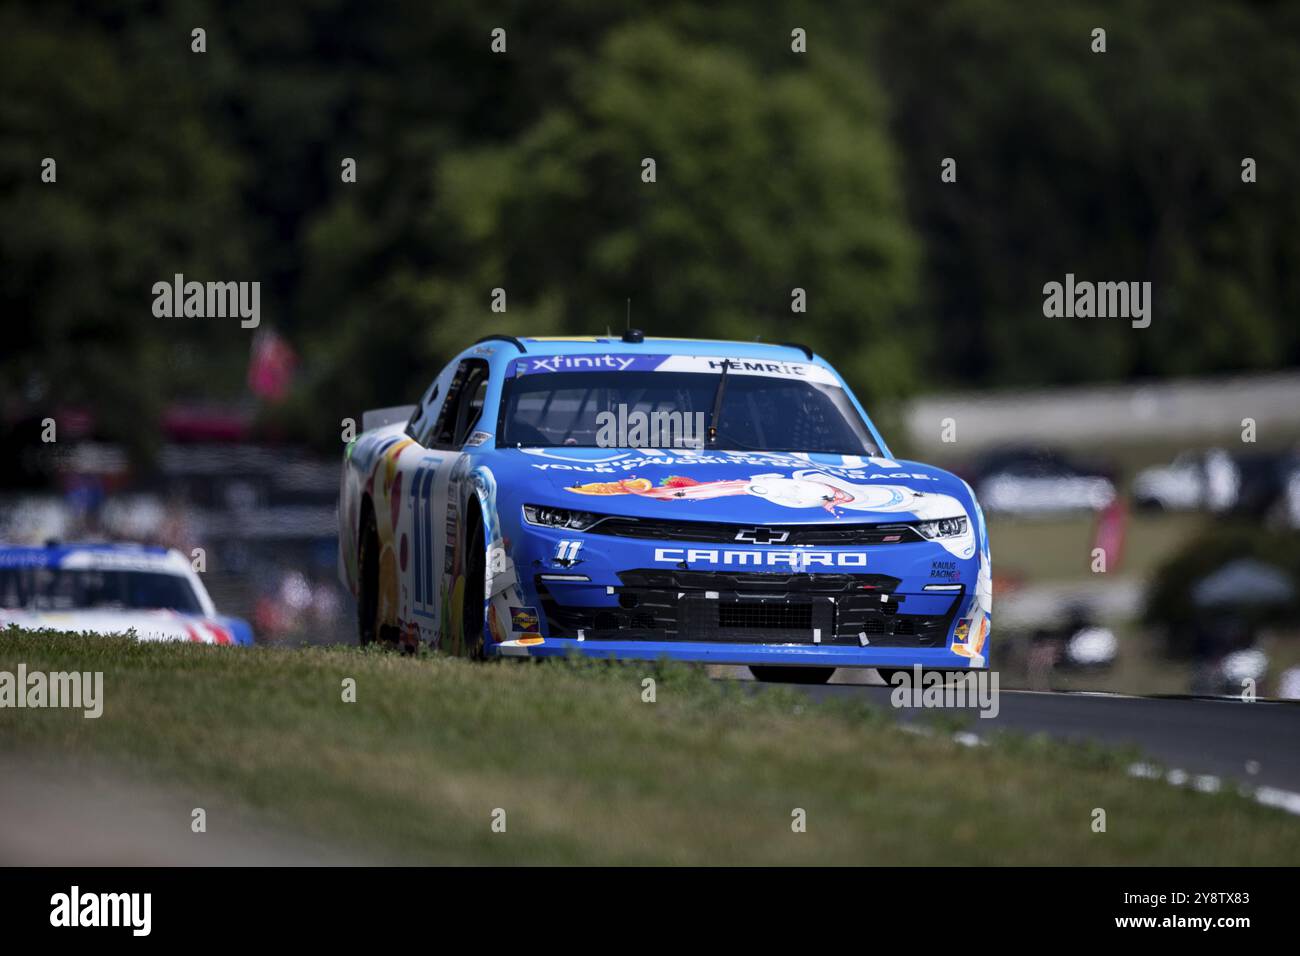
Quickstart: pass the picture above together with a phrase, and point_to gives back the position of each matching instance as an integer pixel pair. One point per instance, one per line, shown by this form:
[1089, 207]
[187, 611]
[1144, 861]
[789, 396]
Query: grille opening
[791, 617]
[751, 607]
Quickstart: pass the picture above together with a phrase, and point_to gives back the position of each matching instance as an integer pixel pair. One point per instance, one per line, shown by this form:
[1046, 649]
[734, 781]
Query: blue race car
[639, 498]
[111, 589]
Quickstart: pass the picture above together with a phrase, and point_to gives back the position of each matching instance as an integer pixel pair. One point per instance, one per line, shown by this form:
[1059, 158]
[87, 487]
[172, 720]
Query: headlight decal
[942, 528]
[563, 519]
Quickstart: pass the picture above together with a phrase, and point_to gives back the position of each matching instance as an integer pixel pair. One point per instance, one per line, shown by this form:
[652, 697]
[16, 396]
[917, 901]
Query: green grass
[588, 773]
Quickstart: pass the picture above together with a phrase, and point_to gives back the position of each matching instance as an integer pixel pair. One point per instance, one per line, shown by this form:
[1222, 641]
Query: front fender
[503, 594]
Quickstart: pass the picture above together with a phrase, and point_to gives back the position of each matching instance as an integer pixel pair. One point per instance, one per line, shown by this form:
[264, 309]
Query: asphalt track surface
[1256, 743]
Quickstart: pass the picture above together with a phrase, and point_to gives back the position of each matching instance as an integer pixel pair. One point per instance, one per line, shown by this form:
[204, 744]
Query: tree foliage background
[774, 170]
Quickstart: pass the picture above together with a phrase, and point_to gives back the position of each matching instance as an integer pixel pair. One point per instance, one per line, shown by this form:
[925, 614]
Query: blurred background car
[1215, 480]
[1194, 480]
[1036, 481]
[256, 517]
[151, 592]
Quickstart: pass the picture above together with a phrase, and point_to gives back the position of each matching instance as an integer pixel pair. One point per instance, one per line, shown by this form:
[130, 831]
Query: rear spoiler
[379, 417]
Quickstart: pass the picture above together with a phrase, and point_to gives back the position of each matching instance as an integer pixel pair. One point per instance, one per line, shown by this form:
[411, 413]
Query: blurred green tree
[765, 182]
[1124, 165]
[143, 190]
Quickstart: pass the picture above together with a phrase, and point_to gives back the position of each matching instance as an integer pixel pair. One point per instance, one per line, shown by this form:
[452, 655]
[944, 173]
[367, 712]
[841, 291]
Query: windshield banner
[703, 364]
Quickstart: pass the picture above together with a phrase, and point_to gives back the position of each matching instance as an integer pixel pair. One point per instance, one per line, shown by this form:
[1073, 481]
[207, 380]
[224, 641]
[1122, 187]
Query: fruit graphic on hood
[624, 486]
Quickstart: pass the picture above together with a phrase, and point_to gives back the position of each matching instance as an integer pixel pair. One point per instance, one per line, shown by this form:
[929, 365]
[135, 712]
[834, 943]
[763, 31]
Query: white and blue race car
[525, 508]
[111, 589]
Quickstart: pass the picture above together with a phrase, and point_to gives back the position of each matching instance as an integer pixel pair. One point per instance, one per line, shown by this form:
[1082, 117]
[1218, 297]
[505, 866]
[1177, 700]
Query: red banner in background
[1112, 525]
[271, 366]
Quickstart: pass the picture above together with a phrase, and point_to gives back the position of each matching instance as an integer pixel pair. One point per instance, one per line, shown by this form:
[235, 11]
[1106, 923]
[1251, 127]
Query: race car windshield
[651, 409]
[57, 589]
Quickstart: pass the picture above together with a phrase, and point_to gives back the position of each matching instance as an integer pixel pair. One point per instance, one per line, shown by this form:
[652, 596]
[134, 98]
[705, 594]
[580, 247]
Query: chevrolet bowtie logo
[761, 535]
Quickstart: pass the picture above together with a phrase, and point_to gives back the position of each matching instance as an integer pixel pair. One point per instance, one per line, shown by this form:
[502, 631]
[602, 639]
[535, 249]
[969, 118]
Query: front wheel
[475, 597]
[792, 675]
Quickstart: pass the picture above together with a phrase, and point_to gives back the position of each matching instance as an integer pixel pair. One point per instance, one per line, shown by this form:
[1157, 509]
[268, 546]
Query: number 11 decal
[567, 552]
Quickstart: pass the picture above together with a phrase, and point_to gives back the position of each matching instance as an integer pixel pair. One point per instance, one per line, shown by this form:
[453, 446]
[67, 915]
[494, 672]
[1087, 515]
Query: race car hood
[148, 625]
[740, 487]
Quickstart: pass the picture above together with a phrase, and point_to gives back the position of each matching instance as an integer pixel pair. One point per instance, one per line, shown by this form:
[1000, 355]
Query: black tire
[792, 675]
[369, 629]
[471, 613]
[368, 580]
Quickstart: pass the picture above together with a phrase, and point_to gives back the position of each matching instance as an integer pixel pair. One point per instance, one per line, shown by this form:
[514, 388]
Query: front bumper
[894, 605]
[746, 607]
[717, 653]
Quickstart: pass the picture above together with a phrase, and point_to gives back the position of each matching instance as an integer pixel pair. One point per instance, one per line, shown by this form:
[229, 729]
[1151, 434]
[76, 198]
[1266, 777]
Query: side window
[475, 395]
[463, 405]
[423, 417]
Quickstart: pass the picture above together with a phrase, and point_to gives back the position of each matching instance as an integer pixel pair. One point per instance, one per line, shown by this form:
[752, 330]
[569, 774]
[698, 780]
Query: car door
[435, 494]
